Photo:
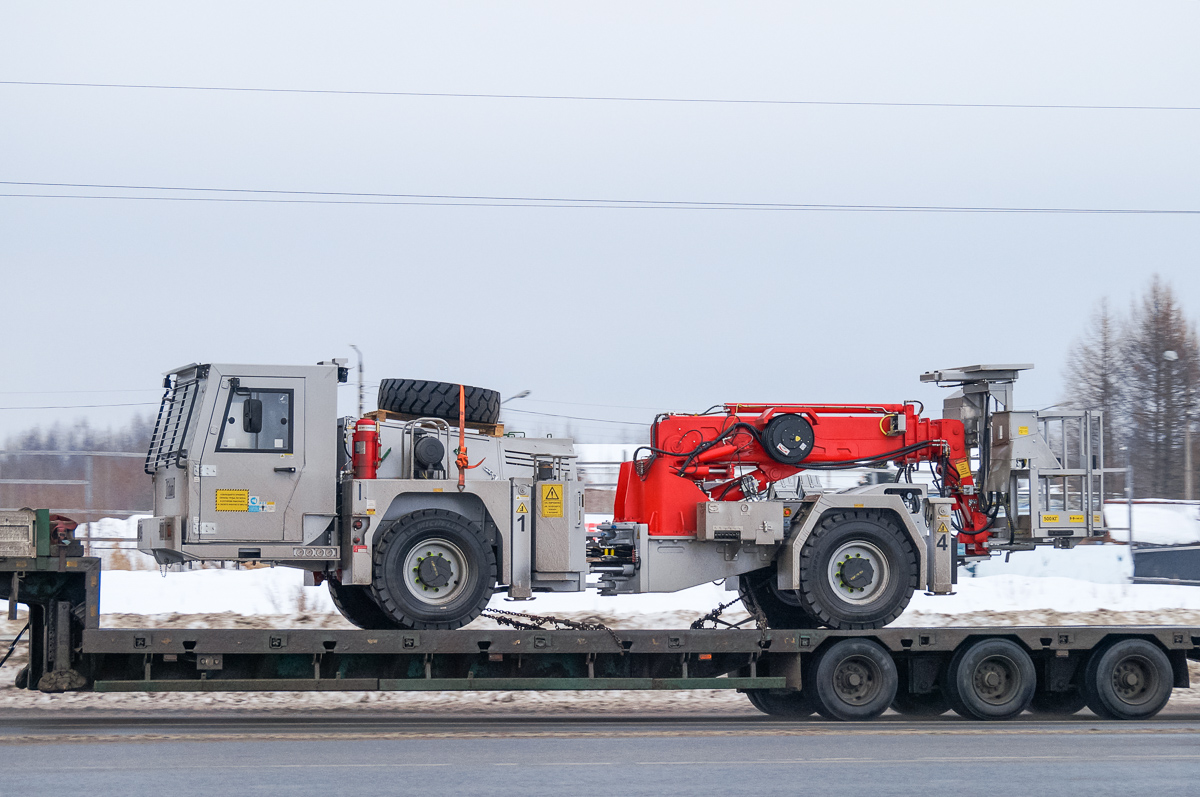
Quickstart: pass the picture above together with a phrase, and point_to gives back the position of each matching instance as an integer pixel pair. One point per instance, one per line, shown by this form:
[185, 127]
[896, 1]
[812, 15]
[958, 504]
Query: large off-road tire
[1129, 679]
[438, 400]
[790, 705]
[858, 570]
[357, 604]
[991, 679]
[433, 569]
[853, 679]
[782, 608]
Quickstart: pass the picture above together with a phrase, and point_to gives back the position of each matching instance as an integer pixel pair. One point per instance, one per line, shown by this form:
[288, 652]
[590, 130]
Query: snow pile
[1159, 522]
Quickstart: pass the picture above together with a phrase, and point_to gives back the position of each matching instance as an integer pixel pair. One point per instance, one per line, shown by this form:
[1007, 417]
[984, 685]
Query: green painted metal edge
[434, 684]
[555, 684]
[242, 685]
[41, 534]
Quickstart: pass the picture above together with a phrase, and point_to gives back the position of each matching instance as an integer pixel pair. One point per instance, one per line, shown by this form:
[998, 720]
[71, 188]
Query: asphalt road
[687, 755]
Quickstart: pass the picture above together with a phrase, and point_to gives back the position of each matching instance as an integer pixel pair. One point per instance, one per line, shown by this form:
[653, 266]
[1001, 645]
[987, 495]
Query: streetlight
[520, 395]
[1171, 356]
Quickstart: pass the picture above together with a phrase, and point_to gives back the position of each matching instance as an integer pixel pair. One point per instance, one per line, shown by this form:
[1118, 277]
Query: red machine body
[365, 456]
[730, 455]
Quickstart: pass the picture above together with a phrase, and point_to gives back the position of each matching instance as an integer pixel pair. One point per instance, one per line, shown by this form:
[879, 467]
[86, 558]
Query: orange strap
[461, 460]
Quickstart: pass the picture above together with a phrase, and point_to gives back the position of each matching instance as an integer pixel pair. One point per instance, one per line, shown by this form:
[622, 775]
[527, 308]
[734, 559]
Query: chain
[756, 614]
[534, 622]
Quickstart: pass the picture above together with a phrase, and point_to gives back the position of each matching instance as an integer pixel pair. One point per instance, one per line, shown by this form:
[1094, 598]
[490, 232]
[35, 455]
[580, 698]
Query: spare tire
[438, 400]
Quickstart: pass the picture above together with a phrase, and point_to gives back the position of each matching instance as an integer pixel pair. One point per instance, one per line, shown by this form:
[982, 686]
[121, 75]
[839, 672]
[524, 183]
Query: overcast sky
[601, 312]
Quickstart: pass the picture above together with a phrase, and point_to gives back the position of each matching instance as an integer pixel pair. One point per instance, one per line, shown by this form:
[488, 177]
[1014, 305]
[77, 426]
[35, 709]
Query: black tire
[790, 705]
[1058, 704]
[885, 591]
[992, 679]
[782, 608]
[438, 400]
[466, 571]
[1129, 679]
[357, 604]
[852, 680]
[923, 704]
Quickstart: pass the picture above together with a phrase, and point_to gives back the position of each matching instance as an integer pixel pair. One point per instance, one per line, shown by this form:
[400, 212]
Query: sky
[605, 313]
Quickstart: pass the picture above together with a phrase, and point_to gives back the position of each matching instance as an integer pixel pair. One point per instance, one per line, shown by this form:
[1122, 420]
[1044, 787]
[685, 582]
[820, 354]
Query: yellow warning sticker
[1075, 518]
[1097, 519]
[552, 500]
[233, 500]
[963, 467]
[1048, 518]
[1022, 430]
[522, 509]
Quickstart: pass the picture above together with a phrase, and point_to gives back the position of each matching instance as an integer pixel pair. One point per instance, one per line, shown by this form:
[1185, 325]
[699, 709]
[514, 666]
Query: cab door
[252, 460]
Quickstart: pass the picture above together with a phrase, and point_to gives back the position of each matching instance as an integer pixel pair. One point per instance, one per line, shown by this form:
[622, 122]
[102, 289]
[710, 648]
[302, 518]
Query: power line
[590, 98]
[576, 417]
[562, 202]
[83, 406]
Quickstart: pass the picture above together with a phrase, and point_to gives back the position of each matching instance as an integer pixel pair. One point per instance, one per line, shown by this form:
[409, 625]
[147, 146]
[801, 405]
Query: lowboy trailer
[1119, 672]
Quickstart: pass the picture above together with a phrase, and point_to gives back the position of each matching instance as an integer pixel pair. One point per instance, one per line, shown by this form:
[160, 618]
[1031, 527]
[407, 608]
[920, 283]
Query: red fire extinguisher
[366, 449]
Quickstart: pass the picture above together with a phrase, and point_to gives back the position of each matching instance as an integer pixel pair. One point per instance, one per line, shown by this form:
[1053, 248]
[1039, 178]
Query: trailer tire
[438, 400]
[852, 680]
[1058, 704]
[843, 537]
[781, 608]
[791, 705]
[357, 604]
[433, 570]
[991, 679]
[1128, 679]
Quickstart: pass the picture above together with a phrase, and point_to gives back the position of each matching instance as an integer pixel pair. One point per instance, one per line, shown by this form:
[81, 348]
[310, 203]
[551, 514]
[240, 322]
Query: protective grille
[172, 425]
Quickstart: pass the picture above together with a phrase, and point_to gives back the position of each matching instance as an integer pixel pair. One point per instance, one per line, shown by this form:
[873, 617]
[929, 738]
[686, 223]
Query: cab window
[257, 420]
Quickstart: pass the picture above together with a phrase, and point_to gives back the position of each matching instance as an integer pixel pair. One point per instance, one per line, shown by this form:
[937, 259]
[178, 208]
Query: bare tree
[1096, 374]
[1163, 360]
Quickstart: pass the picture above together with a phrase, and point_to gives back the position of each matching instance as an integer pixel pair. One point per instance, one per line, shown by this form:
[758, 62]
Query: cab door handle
[285, 470]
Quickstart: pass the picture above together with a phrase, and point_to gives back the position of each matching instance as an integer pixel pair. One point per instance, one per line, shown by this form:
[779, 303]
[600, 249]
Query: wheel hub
[854, 681]
[1132, 681]
[858, 572]
[994, 679]
[433, 571]
[436, 571]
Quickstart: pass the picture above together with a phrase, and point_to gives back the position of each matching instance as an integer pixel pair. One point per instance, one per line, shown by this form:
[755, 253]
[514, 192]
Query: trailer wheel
[433, 569]
[782, 608]
[852, 680]
[357, 604]
[1058, 704]
[792, 705]
[920, 704]
[438, 400]
[858, 570]
[992, 679]
[1129, 679]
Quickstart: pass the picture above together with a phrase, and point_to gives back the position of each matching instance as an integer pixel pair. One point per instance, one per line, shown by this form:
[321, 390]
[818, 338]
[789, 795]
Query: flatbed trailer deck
[785, 672]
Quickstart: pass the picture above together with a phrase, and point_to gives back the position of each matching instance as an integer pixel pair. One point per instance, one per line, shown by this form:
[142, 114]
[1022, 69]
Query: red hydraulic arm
[727, 456]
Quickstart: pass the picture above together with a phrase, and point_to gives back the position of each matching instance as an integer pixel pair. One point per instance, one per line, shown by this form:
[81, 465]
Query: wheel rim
[996, 680]
[1134, 680]
[859, 572]
[435, 571]
[856, 680]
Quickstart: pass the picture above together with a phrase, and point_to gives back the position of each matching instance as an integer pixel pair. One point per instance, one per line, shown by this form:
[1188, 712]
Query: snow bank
[1157, 522]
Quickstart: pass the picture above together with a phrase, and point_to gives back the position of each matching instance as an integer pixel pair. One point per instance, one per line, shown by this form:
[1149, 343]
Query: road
[687, 755]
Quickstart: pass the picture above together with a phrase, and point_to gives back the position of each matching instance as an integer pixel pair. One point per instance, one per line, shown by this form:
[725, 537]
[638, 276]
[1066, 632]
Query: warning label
[552, 500]
[522, 509]
[233, 500]
[963, 467]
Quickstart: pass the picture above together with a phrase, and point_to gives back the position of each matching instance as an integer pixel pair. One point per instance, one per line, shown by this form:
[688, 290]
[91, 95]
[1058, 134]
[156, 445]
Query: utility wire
[576, 417]
[551, 202]
[589, 98]
[83, 406]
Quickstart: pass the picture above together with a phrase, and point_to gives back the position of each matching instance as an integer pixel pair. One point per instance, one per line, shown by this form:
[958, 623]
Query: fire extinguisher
[366, 449]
